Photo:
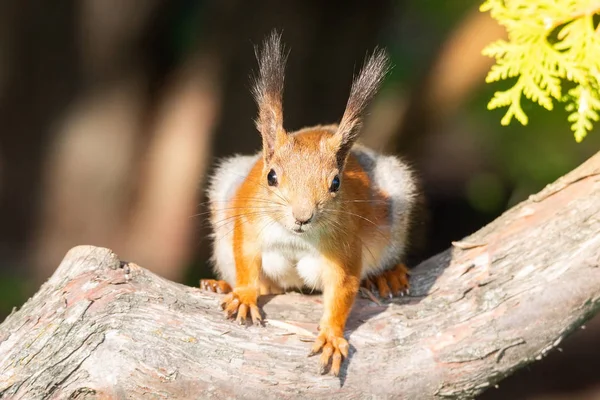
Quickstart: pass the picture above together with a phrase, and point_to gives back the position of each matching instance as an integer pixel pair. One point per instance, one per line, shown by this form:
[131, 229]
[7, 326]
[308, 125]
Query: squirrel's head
[304, 170]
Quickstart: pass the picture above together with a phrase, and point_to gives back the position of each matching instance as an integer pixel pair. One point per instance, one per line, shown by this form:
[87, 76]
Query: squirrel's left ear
[268, 92]
[364, 87]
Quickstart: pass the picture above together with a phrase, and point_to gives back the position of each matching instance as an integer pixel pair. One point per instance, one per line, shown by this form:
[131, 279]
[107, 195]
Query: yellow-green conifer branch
[551, 44]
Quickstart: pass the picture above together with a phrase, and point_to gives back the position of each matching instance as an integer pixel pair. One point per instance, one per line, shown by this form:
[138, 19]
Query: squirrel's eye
[272, 178]
[335, 184]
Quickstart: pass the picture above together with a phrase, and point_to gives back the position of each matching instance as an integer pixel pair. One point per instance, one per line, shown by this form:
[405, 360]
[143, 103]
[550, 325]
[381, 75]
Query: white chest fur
[291, 260]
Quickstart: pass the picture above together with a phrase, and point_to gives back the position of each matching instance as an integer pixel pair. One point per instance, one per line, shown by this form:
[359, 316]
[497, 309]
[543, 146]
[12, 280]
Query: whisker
[239, 214]
[355, 215]
[224, 221]
[340, 227]
[243, 221]
[270, 190]
[383, 235]
[226, 233]
[365, 201]
[215, 240]
[218, 239]
[246, 177]
[256, 199]
[233, 208]
[269, 223]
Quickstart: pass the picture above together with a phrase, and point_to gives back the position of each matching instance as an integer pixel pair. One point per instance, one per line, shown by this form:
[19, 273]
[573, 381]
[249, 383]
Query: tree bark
[493, 303]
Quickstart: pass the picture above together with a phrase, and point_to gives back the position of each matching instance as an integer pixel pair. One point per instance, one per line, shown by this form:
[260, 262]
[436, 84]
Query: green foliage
[551, 44]
[13, 292]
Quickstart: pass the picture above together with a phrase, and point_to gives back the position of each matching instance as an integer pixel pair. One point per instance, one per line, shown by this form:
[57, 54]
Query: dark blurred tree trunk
[161, 232]
[40, 73]
[91, 161]
[132, 153]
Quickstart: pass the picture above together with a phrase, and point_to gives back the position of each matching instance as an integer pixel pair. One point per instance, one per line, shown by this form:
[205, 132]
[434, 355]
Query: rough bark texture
[498, 300]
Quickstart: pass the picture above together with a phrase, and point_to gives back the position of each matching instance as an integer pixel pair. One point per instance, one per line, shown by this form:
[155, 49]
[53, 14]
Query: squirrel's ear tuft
[364, 87]
[268, 91]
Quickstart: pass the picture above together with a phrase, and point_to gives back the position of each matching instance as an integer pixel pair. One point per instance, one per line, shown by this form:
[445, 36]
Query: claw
[322, 370]
[241, 314]
[239, 302]
[333, 350]
[336, 362]
[390, 283]
[255, 315]
[211, 285]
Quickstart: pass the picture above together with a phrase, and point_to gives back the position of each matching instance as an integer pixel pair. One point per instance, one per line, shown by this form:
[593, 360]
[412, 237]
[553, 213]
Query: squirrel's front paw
[334, 348]
[240, 301]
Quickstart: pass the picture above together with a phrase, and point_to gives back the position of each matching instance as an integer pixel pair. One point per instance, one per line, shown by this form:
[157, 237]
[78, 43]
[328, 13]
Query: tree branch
[496, 301]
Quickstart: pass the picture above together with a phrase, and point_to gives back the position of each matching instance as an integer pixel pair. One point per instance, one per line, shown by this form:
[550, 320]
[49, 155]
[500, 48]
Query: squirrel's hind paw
[215, 286]
[390, 283]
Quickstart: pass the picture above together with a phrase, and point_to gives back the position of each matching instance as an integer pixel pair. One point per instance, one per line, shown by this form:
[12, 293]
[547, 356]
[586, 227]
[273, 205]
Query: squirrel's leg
[214, 285]
[339, 293]
[245, 294]
[389, 283]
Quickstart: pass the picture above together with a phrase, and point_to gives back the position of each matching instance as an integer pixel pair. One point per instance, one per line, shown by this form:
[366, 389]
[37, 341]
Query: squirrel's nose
[303, 215]
[303, 221]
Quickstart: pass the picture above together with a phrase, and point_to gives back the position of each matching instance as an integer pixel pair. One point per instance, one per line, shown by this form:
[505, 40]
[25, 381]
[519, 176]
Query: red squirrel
[312, 210]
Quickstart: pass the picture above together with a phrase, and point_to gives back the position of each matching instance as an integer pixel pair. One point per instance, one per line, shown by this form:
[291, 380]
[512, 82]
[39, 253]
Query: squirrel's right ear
[365, 86]
[268, 92]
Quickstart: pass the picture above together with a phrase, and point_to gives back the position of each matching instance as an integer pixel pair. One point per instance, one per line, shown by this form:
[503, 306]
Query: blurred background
[112, 113]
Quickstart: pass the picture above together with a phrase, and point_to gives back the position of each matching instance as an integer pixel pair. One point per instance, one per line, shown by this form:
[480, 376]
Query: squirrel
[313, 209]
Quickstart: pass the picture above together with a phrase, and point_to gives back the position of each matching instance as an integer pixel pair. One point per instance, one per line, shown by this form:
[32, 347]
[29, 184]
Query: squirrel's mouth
[300, 229]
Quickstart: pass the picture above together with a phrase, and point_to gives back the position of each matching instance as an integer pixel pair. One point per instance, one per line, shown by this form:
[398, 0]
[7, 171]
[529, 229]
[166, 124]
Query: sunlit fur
[297, 232]
[372, 207]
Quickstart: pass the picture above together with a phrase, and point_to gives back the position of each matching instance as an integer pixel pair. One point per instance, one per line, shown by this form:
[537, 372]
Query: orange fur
[313, 211]
[216, 286]
[393, 282]
[362, 222]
